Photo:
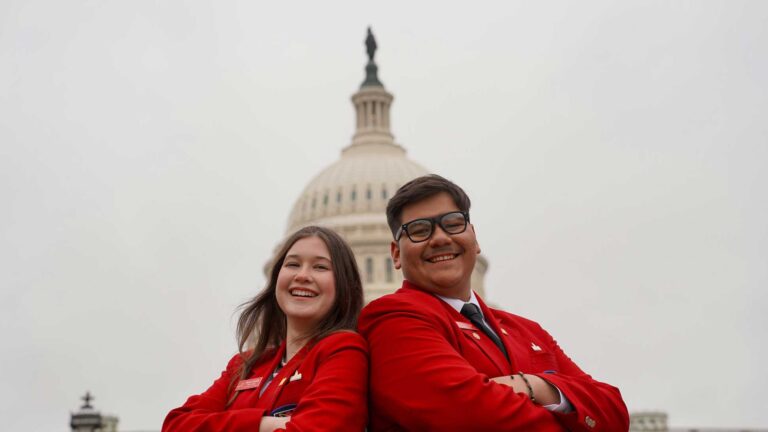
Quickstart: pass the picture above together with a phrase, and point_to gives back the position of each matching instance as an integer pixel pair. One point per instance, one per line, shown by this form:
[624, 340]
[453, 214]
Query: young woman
[308, 369]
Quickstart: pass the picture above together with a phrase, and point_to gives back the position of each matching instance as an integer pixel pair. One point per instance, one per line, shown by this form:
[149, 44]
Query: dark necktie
[472, 312]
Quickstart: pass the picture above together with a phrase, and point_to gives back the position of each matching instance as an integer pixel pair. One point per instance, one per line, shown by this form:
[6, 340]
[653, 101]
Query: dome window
[369, 269]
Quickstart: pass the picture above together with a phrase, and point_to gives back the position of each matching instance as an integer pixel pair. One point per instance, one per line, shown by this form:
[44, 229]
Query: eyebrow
[435, 216]
[316, 257]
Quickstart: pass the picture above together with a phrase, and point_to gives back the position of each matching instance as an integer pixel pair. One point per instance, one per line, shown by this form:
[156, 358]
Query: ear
[477, 245]
[394, 251]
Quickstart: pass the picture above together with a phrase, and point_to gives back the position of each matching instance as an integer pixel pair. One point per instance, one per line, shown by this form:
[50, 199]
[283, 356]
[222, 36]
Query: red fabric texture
[431, 369]
[327, 382]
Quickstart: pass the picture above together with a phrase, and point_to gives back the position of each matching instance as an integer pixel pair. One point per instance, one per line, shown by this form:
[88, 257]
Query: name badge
[248, 384]
[465, 326]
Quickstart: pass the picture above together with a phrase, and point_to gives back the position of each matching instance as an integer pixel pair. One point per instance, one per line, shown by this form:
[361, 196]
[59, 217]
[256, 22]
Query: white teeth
[441, 258]
[302, 293]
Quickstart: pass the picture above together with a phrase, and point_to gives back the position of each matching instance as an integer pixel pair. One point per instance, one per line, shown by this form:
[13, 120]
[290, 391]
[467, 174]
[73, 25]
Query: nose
[303, 274]
[439, 237]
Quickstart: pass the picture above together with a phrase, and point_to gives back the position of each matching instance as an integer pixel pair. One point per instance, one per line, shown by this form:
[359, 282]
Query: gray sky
[150, 153]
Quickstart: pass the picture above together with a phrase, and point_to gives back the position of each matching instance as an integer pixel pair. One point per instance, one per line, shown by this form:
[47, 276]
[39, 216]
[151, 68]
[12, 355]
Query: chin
[447, 282]
[304, 316]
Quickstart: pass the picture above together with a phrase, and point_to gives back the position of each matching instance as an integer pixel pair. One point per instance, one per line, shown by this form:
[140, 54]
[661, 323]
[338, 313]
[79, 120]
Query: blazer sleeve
[337, 397]
[420, 382]
[207, 412]
[597, 406]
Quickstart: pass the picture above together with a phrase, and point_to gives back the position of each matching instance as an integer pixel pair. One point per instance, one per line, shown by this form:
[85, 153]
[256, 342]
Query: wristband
[527, 384]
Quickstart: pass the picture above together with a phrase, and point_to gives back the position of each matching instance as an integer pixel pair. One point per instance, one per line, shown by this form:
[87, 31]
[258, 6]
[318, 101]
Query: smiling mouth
[298, 292]
[441, 258]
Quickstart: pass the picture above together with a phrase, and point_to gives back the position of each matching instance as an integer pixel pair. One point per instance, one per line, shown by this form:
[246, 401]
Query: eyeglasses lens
[420, 229]
[453, 223]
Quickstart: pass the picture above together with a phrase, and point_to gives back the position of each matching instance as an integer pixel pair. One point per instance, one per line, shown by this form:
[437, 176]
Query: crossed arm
[420, 381]
[334, 400]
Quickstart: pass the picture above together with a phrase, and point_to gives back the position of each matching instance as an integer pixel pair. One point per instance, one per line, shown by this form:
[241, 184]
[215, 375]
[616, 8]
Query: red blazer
[430, 371]
[326, 385]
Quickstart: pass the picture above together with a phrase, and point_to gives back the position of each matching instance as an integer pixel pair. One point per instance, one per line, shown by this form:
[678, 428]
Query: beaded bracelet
[527, 384]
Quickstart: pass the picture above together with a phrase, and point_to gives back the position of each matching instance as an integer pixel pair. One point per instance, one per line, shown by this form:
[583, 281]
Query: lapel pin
[505, 332]
[535, 347]
[475, 335]
[295, 377]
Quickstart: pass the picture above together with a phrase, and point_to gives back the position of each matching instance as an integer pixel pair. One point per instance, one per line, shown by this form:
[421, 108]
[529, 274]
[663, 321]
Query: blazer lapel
[276, 359]
[505, 336]
[481, 341]
[272, 393]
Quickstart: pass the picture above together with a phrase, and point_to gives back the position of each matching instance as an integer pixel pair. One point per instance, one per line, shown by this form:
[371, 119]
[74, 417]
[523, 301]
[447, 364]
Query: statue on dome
[371, 70]
[370, 45]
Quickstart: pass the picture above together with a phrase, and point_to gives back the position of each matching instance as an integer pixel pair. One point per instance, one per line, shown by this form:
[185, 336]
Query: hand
[269, 423]
[544, 392]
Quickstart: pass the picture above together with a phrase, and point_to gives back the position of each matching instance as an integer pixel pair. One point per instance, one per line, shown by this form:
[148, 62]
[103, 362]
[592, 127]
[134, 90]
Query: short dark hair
[421, 188]
[263, 320]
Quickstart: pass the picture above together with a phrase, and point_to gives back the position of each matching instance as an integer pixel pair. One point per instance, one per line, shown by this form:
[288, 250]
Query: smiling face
[306, 287]
[442, 264]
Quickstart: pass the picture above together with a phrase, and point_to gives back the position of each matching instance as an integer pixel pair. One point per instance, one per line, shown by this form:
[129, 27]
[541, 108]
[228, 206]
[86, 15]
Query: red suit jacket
[430, 370]
[326, 385]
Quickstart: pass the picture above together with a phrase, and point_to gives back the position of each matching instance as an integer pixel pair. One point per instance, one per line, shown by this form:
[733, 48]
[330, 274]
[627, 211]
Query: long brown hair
[262, 317]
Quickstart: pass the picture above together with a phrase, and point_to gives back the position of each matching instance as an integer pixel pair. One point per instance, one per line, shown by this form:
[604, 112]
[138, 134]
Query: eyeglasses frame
[437, 220]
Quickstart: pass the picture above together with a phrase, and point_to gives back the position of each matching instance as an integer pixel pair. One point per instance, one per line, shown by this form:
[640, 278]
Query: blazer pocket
[544, 362]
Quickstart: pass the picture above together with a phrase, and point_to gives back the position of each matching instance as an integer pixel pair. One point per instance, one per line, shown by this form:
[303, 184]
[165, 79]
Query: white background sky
[150, 152]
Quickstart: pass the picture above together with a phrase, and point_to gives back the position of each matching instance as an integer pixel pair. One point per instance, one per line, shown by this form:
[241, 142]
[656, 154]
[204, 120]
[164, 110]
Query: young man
[441, 360]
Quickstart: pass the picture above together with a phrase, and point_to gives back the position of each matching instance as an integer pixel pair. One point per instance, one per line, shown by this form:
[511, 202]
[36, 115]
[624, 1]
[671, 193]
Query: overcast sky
[150, 153]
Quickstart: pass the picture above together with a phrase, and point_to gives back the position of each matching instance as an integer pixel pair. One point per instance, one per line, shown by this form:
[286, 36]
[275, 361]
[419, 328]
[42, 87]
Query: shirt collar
[459, 303]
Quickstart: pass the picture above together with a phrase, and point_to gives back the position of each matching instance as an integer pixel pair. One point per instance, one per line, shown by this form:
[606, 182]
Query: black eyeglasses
[419, 230]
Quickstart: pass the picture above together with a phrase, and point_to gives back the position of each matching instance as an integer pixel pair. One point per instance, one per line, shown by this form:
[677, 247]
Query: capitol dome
[351, 195]
[356, 187]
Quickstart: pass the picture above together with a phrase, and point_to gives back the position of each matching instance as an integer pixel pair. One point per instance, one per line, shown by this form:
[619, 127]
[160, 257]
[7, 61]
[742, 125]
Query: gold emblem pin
[476, 336]
[588, 420]
[282, 381]
[535, 347]
[505, 332]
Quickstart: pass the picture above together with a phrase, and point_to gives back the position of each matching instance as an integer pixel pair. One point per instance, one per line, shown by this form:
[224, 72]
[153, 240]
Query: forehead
[309, 247]
[432, 206]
